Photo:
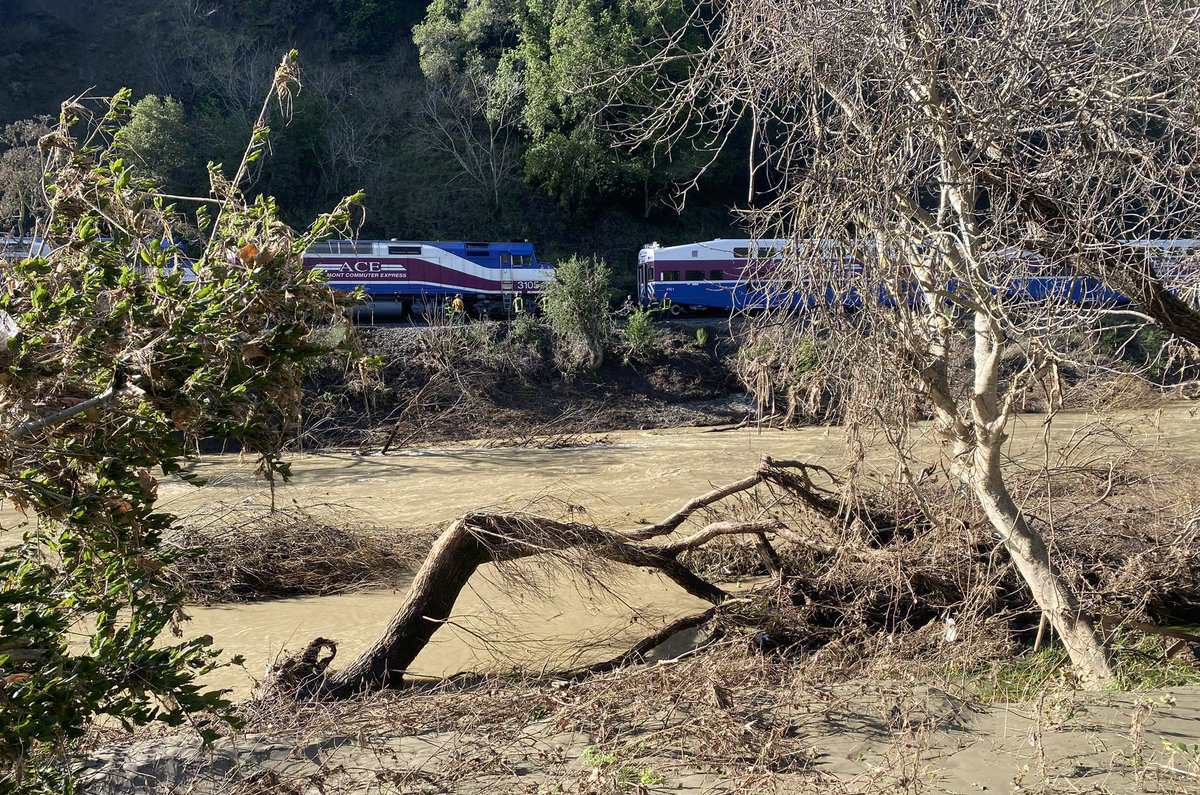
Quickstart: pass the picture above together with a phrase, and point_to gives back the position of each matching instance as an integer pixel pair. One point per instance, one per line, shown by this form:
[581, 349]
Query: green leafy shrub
[575, 305]
[525, 329]
[115, 361]
[806, 358]
[639, 333]
[156, 137]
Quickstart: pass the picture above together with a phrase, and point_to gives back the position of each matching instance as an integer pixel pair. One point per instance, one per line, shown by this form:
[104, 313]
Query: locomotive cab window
[505, 258]
[694, 276]
[743, 252]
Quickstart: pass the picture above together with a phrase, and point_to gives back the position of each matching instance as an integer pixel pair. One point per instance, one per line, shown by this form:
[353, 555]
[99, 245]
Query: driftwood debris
[488, 537]
[843, 570]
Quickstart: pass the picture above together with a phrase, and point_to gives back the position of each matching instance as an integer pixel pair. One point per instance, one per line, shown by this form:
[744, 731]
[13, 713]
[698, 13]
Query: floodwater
[561, 618]
[530, 619]
[627, 476]
[630, 476]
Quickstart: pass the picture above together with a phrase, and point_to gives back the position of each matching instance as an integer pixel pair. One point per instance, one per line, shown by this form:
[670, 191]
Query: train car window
[716, 276]
[741, 253]
[694, 276]
[669, 276]
[695, 253]
[404, 249]
[341, 247]
[766, 253]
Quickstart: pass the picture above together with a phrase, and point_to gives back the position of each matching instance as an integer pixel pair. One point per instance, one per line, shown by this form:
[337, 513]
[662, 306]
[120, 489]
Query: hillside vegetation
[483, 127]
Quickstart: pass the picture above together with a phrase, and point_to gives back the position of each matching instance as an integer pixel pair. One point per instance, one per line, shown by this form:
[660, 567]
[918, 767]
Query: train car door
[506, 282]
[645, 275]
[645, 268]
[506, 271]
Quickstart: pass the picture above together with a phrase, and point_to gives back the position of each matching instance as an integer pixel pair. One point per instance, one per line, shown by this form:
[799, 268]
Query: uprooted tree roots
[847, 572]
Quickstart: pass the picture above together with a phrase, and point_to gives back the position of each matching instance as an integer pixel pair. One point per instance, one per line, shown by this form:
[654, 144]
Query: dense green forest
[474, 119]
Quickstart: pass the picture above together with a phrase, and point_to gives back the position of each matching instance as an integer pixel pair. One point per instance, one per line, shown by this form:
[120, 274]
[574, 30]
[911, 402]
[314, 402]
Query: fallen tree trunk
[479, 538]
[467, 544]
[854, 583]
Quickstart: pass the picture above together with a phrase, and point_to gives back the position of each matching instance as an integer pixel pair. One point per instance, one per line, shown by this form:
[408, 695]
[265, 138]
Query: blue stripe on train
[730, 294]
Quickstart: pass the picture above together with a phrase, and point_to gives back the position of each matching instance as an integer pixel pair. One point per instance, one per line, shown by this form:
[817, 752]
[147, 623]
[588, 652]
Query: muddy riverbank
[695, 727]
[452, 383]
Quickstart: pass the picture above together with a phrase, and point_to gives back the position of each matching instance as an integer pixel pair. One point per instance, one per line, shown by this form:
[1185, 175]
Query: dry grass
[747, 719]
[291, 552]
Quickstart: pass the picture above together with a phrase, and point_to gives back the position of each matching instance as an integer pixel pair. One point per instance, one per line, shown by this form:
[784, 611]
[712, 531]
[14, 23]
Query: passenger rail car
[404, 276]
[739, 274]
[418, 276]
[15, 249]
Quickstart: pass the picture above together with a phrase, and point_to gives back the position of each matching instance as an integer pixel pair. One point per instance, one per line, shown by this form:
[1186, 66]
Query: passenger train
[409, 276]
[415, 276]
[13, 249]
[739, 274]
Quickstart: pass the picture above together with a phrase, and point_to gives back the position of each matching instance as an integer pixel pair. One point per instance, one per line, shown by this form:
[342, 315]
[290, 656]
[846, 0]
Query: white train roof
[719, 249]
[725, 248]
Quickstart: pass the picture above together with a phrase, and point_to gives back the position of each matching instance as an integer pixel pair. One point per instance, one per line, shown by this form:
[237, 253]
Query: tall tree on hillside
[351, 131]
[474, 120]
[550, 55]
[157, 137]
[954, 149]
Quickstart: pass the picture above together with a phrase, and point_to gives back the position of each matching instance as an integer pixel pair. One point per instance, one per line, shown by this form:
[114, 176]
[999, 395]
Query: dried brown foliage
[291, 552]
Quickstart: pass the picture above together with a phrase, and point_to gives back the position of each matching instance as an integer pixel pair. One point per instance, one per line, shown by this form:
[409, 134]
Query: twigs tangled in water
[291, 552]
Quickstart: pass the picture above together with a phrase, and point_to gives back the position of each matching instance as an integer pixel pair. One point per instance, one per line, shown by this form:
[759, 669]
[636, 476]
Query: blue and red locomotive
[406, 276]
[417, 275]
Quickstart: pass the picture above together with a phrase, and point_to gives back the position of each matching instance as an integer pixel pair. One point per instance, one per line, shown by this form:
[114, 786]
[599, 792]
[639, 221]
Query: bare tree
[21, 170]
[960, 161]
[351, 130]
[473, 118]
[200, 65]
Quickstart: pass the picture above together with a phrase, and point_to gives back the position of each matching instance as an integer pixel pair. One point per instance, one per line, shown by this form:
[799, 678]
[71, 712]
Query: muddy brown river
[565, 620]
[628, 477]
